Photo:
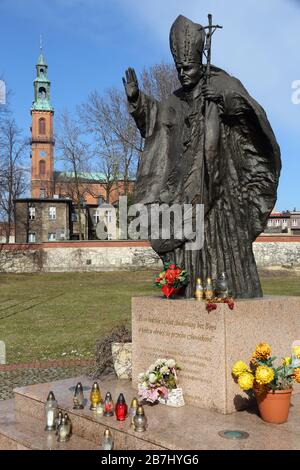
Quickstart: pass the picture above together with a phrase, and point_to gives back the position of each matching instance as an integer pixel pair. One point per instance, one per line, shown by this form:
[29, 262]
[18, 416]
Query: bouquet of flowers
[262, 375]
[158, 380]
[172, 279]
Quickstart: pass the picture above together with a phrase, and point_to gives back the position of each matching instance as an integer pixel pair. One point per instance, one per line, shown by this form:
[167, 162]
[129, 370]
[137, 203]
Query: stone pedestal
[206, 345]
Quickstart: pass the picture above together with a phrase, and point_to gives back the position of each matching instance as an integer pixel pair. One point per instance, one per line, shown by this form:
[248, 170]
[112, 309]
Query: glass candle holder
[63, 431]
[140, 420]
[100, 409]
[95, 396]
[199, 291]
[78, 399]
[222, 285]
[133, 409]
[108, 405]
[209, 291]
[58, 421]
[121, 408]
[51, 412]
[107, 440]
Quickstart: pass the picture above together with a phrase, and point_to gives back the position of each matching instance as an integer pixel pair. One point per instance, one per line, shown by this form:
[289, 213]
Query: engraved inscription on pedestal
[169, 336]
[206, 345]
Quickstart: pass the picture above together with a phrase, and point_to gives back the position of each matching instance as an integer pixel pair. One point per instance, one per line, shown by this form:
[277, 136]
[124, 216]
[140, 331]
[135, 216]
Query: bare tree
[75, 154]
[5, 94]
[105, 145]
[13, 175]
[118, 142]
[159, 80]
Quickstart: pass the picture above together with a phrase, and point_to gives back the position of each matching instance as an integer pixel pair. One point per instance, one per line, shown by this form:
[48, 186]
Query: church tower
[42, 141]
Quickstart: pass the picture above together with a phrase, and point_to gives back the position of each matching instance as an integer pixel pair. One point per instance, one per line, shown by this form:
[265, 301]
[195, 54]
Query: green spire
[41, 60]
[42, 86]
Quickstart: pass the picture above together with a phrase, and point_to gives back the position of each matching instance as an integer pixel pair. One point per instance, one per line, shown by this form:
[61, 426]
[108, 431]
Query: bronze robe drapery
[223, 155]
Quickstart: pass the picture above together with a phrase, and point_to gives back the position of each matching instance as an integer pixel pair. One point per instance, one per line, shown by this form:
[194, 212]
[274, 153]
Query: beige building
[286, 222]
[41, 220]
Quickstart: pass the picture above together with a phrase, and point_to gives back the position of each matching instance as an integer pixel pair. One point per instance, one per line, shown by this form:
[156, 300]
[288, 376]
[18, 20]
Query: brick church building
[51, 213]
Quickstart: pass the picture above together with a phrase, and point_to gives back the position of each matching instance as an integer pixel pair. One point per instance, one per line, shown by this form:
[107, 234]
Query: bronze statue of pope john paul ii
[208, 143]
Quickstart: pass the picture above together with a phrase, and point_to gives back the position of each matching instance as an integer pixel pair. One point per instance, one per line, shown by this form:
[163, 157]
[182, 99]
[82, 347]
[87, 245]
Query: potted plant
[172, 280]
[159, 384]
[270, 384]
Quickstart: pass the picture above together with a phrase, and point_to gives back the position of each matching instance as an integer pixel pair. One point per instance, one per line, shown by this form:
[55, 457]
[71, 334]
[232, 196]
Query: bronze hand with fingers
[131, 84]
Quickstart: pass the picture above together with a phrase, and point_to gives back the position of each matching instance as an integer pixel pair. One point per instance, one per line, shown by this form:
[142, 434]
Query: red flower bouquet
[172, 279]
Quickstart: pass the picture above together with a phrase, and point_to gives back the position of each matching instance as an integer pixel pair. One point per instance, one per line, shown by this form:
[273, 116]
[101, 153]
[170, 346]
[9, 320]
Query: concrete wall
[116, 255]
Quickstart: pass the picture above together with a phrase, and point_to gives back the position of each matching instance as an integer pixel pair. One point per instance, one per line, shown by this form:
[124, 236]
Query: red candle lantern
[121, 408]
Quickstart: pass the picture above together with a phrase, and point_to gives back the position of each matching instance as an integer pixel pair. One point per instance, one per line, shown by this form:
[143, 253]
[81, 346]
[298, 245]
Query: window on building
[277, 223]
[31, 237]
[51, 237]
[31, 213]
[284, 222]
[62, 234]
[108, 216]
[52, 212]
[74, 217]
[42, 93]
[96, 217]
[294, 223]
[42, 193]
[42, 167]
[270, 223]
[42, 126]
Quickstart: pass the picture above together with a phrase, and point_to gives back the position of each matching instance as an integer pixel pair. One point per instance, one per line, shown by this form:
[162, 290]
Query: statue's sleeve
[144, 111]
[252, 156]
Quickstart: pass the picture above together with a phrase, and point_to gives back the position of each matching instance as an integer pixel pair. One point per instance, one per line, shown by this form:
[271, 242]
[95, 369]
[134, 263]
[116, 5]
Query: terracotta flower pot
[274, 406]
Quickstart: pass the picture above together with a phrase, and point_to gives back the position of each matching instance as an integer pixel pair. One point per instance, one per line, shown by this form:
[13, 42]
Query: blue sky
[89, 43]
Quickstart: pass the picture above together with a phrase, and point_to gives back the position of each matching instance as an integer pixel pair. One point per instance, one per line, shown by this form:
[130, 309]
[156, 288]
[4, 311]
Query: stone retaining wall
[268, 253]
[108, 256]
[81, 256]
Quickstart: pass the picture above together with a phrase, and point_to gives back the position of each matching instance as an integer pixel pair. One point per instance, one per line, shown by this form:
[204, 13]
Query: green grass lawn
[51, 316]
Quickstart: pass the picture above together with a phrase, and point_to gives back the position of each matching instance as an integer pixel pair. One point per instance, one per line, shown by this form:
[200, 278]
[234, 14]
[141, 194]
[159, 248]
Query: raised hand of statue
[210, 94]
[131, 84]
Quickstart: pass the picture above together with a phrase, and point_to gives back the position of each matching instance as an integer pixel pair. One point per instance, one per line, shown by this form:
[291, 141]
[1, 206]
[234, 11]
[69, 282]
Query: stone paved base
[183, 428]
[22, 377]
[21, 433]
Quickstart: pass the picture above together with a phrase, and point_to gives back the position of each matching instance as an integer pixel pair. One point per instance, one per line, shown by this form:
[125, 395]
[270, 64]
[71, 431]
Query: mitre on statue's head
[187, 40]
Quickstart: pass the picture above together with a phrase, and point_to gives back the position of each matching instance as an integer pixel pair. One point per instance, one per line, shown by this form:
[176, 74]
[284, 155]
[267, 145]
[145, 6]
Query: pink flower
[163, 391]
[149, 394]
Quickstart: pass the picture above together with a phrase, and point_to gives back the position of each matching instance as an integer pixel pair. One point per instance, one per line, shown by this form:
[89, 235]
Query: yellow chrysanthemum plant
[262, 375]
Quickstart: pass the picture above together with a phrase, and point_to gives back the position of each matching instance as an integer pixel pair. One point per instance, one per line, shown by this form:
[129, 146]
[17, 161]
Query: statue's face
[189, 75]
